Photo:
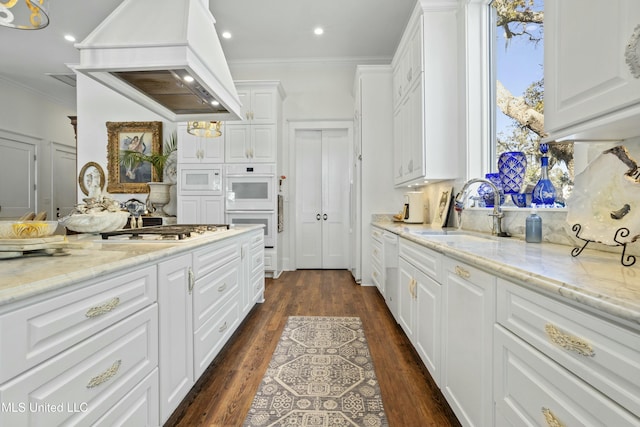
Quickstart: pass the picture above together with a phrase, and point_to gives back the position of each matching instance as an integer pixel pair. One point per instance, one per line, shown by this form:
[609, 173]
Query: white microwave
[200, 179]
[250, 187]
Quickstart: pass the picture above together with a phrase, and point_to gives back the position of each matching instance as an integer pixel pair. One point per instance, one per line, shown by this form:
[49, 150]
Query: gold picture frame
[91, 178]
[143, 136]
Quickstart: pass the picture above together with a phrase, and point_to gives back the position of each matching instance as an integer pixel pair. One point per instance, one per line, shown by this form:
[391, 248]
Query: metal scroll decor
[625, 259]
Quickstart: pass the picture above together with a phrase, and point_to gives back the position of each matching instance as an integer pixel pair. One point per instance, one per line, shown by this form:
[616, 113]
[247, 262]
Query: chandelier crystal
[204, 129]
[24, 14]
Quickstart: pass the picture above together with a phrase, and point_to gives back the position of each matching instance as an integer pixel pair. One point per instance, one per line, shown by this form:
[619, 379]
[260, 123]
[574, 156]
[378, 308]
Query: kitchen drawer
[425, 259]
[269, 261]
[84, 382]
[211, 337]
[257, 262]
[257, 288]
[206, 260]
[532, 390]
[376, 235]
[603, 354]
[35, 333]
[376, 275]
[213, 291]
[257, 241]
[137, 409]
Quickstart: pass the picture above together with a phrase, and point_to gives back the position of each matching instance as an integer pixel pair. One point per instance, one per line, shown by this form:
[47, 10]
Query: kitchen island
[517, 333]
[119, 332]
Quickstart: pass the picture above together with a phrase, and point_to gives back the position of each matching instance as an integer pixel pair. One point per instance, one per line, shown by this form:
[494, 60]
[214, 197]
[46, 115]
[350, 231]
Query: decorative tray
[14, 248]
[604, 205]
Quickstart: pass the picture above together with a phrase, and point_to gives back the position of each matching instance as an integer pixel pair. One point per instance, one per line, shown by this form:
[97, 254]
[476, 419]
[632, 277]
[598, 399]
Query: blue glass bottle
[544, 193]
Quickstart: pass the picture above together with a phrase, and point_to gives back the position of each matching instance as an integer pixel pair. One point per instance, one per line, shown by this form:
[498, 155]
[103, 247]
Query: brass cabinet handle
[375, 252]
[569, 342]
[551, 419]
[223, 327]
[222, 287]
[105, 376]
[103, 309]
[192, 280]
[462, 272]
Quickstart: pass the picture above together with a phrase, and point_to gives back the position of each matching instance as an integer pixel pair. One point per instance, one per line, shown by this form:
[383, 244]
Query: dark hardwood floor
[224, 393]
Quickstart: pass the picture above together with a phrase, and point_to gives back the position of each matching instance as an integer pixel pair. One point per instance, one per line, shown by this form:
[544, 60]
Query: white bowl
[27, 229]
[98, 222]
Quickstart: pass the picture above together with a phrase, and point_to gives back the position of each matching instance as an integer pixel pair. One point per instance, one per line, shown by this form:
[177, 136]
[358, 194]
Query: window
[518, 70]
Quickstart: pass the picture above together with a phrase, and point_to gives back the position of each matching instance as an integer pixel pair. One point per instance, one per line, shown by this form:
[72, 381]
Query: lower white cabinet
[203, 297]
[199, 209]
[468, 316]
[419, 302]
[81, 384]
[176, 332]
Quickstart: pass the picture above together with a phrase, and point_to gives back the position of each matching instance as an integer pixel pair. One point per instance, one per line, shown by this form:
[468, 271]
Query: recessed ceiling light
[188, 79]
[226, 35]
[318, 31]
[69, 38]
[214, 102]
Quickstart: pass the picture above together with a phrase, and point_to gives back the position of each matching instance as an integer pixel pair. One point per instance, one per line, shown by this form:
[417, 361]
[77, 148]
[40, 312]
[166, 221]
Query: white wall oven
[250, 187]
[266, 218]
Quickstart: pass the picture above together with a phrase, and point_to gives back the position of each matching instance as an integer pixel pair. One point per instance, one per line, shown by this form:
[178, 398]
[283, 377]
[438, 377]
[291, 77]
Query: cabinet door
[175, 280]
[428, 325]
[263, 144]
[398, 144]
[414, 142]
[406, 305]
[468, 316]
[188, 209]
[237, 140]
[193, 149]
[263, 106]
[211, 210]
[244, 95]
[585, 71]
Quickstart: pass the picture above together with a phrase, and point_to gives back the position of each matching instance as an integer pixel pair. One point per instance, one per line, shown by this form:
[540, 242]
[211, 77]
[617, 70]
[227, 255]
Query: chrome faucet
[497, 211]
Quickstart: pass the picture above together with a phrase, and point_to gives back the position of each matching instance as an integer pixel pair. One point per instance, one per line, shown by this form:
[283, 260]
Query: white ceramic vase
[159, 196]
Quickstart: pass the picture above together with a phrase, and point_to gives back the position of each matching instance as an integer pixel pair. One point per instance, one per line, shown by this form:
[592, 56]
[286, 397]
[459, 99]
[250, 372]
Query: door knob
[324, 217]
[318, 217]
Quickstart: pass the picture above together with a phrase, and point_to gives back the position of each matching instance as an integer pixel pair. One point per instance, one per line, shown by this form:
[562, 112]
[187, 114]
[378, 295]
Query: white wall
[97, 105]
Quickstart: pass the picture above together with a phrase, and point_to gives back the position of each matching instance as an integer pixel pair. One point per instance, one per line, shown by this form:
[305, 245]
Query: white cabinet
[425, 139]
[582, 369]
[196, 150]
[255, 139]
[590, 91]
[246, 143]
[419, 302]
[175, 287]
[468, 315]
[199, 209]
[377, 270]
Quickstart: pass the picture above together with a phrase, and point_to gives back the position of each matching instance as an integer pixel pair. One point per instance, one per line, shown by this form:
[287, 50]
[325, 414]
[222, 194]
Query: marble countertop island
[87, 257]
[594, 280]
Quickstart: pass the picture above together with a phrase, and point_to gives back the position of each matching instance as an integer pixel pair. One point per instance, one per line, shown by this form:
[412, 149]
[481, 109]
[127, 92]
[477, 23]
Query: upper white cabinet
[195, 149]
[590, 90]
[255, 138]
[425, 98]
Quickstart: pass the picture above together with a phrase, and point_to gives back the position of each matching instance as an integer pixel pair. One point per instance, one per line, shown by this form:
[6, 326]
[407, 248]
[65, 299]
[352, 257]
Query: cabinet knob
[192, 280]
[318, 217]
[324, 217]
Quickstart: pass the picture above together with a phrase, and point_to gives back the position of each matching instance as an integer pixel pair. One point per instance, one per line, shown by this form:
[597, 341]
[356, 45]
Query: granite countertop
[594, 280]
[87, 257]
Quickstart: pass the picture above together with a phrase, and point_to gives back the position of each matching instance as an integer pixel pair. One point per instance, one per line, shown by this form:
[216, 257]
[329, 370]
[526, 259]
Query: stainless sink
[454, 236]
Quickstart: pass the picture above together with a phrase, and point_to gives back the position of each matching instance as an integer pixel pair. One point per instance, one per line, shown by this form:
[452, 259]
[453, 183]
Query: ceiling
[274, 30]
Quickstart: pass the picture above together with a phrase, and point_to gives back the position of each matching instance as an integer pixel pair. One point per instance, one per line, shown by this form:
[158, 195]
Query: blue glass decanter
[544, 193]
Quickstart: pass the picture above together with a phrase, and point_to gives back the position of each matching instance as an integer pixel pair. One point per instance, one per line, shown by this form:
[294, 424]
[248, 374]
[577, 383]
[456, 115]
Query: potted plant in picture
[164, 165]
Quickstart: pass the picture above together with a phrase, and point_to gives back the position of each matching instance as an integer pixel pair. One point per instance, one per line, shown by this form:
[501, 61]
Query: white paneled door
[17, 178]
[322, 198]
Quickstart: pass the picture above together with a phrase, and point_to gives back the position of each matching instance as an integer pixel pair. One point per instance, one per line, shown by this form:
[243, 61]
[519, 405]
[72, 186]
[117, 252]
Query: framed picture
[91, 179]
[144, 137]
[442, 213]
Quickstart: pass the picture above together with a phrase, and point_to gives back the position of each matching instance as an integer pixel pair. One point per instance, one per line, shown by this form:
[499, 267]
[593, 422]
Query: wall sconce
[204, 129]
[24, 14]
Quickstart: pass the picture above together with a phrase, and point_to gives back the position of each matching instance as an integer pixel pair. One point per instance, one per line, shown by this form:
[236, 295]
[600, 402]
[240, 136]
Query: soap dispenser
[533, 229]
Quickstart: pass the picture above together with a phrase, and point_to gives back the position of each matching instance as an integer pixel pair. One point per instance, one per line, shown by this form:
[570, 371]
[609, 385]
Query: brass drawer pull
[103, 309]
[105, 376]
[569, 342]
[222, 287]
[462, 272]
[551, 419]
[223, 327]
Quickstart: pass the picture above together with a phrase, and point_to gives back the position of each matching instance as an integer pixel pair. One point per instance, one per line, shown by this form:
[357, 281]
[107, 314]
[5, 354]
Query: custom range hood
[166, 56]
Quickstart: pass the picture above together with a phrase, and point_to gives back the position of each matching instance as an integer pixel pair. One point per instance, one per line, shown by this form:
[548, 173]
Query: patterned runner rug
[321, 375]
